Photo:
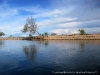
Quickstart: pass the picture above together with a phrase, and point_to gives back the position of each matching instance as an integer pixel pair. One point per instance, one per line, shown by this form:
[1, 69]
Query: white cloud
[6, 11]
[65, 31]
[74, 32]
[15, 32]
[93, 30]
[15, 11]
[55, 17]
[57, 20]
[69, 25]
[11, 28]
[60, 31]
[24, 35]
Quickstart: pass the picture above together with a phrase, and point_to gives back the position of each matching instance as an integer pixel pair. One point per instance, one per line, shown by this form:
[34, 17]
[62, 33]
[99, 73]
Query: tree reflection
[1, 42]
[82, 45]
[30, 51]
[46, 42]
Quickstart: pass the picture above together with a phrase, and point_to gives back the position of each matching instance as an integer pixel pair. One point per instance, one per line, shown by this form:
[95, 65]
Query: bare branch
[30, 26]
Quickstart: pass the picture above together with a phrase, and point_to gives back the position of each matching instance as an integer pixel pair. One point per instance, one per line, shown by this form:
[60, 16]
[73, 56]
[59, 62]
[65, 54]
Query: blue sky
[52, 16]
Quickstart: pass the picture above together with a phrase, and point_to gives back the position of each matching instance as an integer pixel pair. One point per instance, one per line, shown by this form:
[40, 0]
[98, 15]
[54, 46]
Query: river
[23, 57]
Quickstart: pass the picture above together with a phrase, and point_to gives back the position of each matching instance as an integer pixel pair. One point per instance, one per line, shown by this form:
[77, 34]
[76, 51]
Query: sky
[52, 16]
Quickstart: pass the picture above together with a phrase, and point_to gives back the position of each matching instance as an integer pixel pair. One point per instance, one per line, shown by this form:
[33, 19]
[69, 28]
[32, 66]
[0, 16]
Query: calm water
[49, 57]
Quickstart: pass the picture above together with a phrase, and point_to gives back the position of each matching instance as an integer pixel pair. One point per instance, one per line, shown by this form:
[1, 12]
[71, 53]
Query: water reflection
[49, 55]
[30, 51]
[82, 44]
[46, 42]
[43, 42]
[1, 42]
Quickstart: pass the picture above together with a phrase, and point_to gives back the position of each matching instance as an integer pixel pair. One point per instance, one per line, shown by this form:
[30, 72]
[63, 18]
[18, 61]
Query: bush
[82, 31]
[2, 34]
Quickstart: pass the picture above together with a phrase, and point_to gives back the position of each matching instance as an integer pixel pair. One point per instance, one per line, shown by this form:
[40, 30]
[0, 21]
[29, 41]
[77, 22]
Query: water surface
[20, 57]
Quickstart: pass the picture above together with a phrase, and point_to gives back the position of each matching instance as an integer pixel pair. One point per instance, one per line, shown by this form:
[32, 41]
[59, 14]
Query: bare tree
[30, 26]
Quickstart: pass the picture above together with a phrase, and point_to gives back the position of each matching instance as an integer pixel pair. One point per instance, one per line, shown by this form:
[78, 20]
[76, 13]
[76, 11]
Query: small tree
[10, 36]
[53, 34]
[2, 34]
[30, 35]
[43, 35]
[46, 34]
[82, 31]
[30, 26]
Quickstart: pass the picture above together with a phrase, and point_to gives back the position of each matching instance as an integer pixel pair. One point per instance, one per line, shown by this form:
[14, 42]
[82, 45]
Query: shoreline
[57, 37]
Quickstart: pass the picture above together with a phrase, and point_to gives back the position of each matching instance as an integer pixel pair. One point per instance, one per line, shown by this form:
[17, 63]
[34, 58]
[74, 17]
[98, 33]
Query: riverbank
[74, 37]
[60, 37]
